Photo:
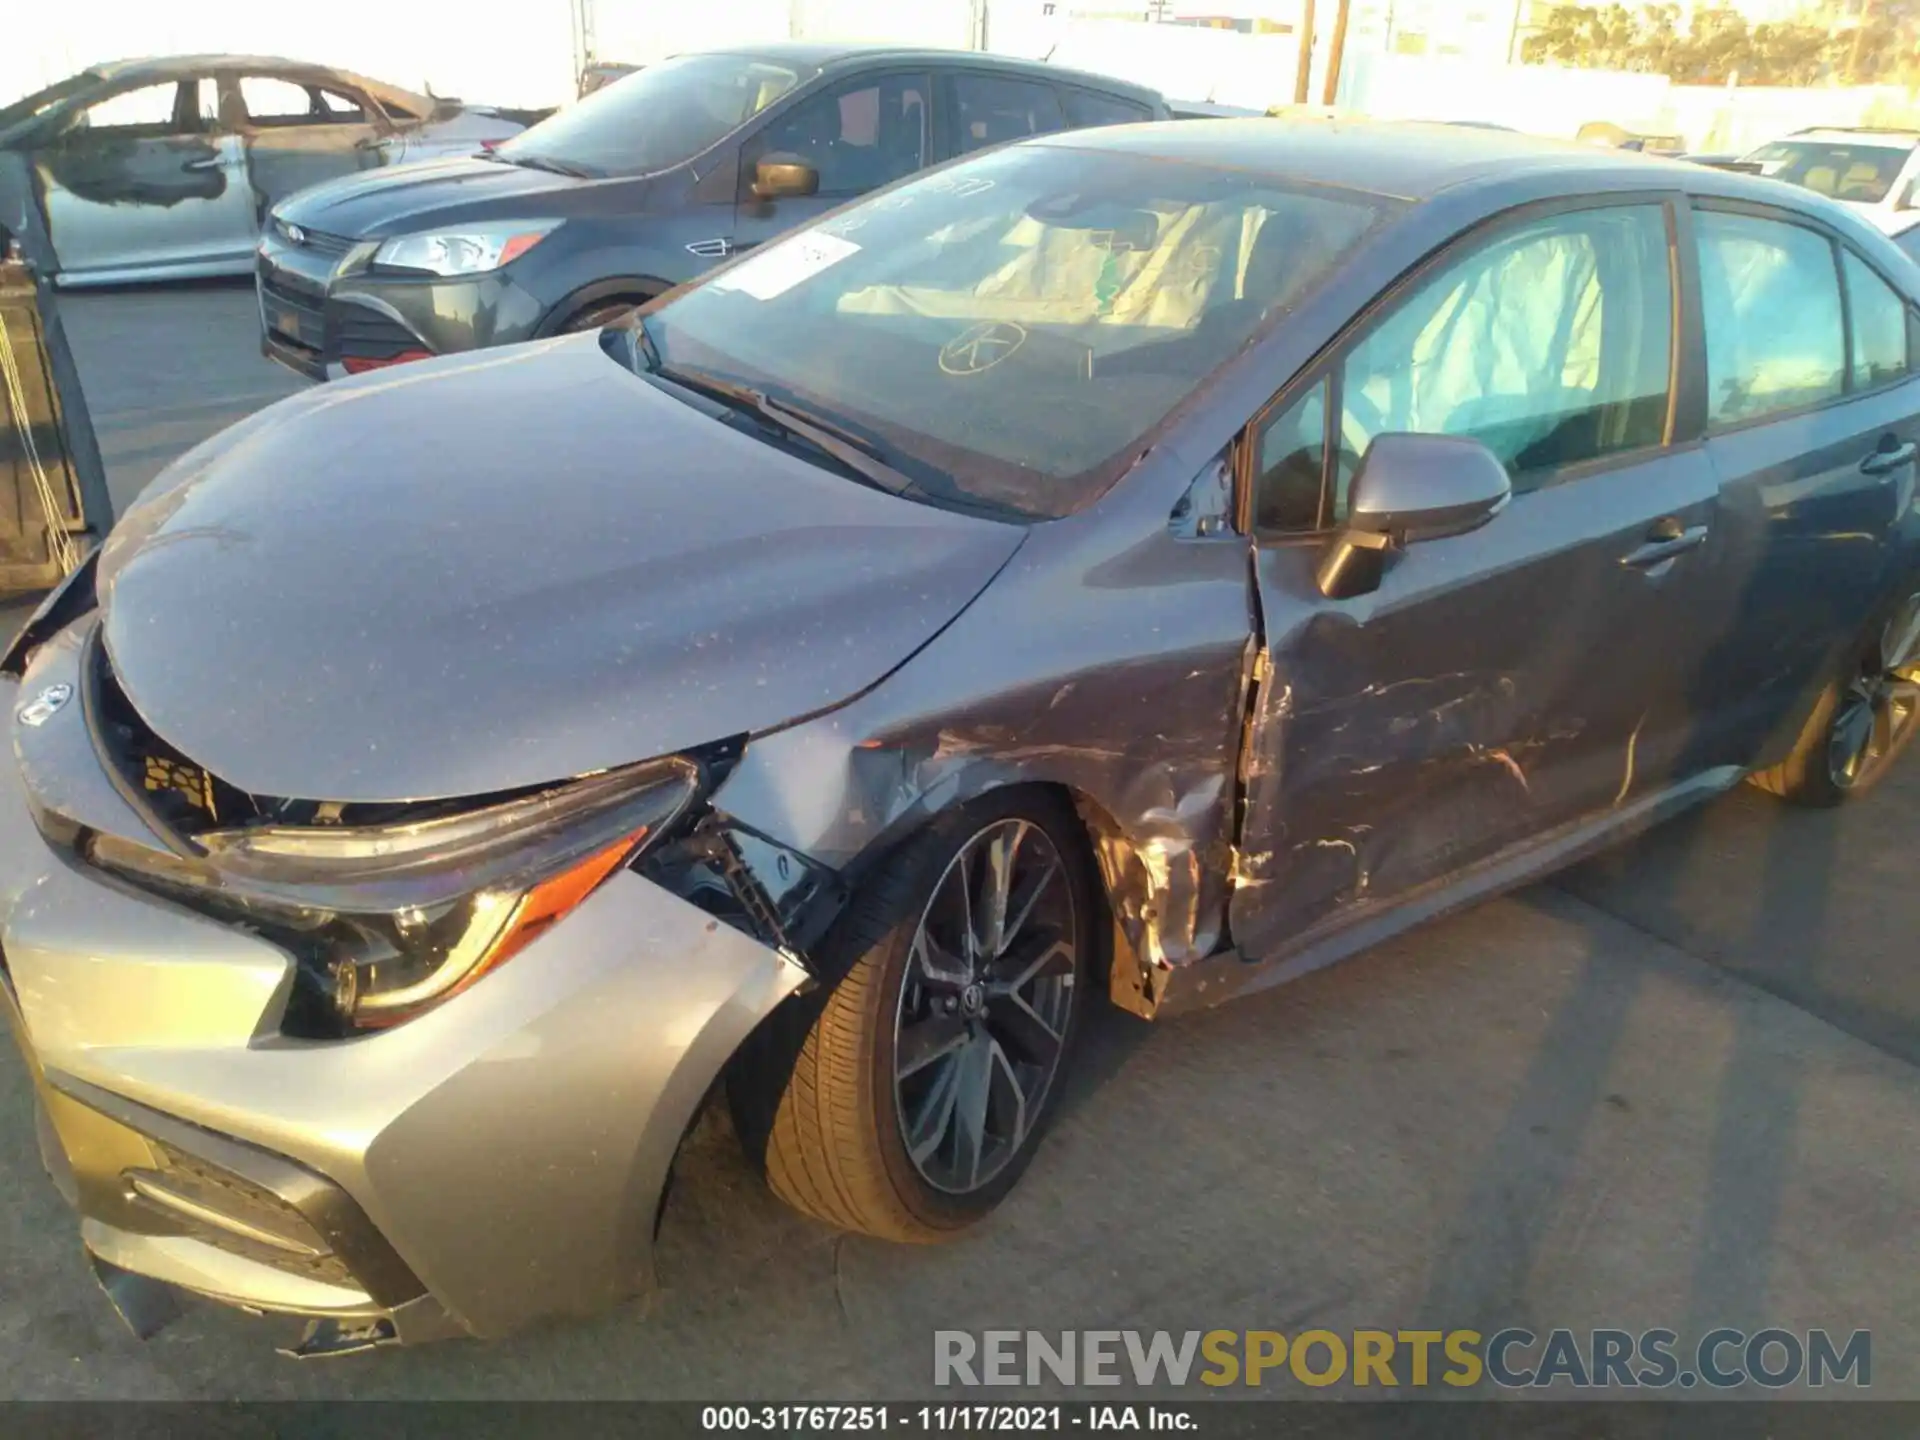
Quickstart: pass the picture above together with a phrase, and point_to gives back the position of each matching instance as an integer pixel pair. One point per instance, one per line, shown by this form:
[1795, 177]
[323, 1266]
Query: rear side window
[1770, 301]
[990, 109]
[1086, 109]
[1879, 319]
[1551, 344]
[273, 101]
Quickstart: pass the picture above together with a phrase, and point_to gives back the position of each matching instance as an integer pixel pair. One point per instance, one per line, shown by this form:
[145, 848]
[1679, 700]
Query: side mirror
[1410, 488]
[779, 176]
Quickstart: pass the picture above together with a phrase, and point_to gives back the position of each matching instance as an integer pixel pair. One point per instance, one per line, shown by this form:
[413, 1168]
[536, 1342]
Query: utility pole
[1859, 39]
[1303, 75]
[1336, 54]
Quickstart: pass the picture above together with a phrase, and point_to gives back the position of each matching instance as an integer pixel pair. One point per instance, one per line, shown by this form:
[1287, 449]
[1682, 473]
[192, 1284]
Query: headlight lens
[391, 920]
[462, 252]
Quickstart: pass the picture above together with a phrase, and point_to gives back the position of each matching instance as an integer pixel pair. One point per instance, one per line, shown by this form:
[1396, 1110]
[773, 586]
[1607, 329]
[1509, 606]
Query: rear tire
[1864, 718]
[906, 1101]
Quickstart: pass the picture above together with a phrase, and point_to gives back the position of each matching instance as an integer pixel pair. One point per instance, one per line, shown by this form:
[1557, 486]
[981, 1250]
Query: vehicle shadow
[1747, 883]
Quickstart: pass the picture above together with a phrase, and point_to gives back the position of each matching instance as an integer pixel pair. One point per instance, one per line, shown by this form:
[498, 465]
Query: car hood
[489, 571]
[373, 204]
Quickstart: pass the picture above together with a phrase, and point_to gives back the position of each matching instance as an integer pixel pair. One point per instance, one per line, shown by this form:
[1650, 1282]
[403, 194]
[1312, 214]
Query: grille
[366, 332]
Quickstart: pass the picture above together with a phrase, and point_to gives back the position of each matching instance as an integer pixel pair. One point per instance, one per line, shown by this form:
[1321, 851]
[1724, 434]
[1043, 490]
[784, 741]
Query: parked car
[602, 74]
[1616, 137]
[1154, 561]
[164, 169]
[1872, 171]
[1722, 161]
[638, 188]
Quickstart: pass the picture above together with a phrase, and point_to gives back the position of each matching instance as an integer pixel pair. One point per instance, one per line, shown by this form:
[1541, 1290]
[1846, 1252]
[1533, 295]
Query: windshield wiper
[542, 162]
[820, 433]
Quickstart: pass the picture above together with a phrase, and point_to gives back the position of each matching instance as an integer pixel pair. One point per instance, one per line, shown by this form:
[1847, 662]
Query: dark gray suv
[640, 187]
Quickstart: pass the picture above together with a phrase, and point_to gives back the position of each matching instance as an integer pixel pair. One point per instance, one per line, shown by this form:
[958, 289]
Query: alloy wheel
[1879, 710]
[985, 1004]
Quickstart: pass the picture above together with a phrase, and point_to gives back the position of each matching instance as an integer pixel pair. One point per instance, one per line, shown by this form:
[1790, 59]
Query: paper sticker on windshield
[784, 265]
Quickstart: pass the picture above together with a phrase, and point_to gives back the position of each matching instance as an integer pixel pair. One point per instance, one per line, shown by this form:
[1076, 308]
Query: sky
[517, 55]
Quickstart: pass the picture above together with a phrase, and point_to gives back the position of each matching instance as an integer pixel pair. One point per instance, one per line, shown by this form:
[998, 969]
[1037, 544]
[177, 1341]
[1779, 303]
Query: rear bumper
[322, 317]
[498, 1160]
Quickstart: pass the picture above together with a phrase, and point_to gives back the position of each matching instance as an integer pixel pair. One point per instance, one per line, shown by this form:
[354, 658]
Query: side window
[859, 138]
[1879, 325]
[1289, 461]
[272, 101]
[1770, 300]
[1086, 109]
[989, 109]
[342, 108]
[1551, 344]
[146, 111]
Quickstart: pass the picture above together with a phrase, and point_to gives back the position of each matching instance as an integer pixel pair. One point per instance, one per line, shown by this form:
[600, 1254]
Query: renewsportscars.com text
[1515, 1358]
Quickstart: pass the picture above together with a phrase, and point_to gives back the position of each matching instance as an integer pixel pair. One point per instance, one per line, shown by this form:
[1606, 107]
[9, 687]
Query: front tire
[923, 1080]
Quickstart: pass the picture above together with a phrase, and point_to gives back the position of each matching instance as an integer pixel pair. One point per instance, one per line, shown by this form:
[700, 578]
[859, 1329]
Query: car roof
[158, 68]
[1417, 160]
[822, 56]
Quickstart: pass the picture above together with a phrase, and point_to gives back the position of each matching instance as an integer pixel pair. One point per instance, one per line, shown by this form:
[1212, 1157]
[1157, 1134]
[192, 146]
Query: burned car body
[1158, 561]
[164, 168]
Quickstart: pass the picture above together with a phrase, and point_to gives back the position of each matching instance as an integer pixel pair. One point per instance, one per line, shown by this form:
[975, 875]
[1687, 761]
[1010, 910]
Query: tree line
[1844, 42]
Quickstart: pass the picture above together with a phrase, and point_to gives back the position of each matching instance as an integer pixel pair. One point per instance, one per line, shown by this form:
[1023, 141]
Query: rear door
[1088, 108]
[1813, 415]
[1506, 683]
[298, 133]
[145, 179]
[981, 107]
[859, 134]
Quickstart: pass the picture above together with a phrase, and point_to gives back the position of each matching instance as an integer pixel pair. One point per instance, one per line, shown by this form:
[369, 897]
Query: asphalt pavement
[1676, 1088]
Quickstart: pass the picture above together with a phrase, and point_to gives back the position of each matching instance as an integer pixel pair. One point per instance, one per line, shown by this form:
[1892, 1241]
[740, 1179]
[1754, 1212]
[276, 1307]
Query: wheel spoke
[1023, 1030]
[926, 1041]
[939, 967]
[1006, 1084]
[973, 1088]
[1901, 648]
[1852, 736]
[1023, 907]
[1043, 954]
[997, 888]
[934, 1117]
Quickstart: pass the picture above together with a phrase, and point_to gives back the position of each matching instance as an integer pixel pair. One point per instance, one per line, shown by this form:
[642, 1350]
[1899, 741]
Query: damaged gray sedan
[1141, 564]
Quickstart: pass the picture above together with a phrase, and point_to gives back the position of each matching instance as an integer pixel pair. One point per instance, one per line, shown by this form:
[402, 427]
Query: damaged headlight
[389, 920]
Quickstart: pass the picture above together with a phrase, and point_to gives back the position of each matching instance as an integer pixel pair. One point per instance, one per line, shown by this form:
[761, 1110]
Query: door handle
[1885, 462]
[1667, 539]
[211, 162]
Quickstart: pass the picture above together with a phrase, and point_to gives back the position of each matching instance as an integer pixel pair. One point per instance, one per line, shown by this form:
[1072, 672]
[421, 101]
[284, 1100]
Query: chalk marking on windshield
[785, 264]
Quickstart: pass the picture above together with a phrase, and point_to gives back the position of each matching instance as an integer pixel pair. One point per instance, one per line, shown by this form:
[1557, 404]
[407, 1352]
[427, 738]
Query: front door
[859, 135]
[146, 180]
[1506, 683]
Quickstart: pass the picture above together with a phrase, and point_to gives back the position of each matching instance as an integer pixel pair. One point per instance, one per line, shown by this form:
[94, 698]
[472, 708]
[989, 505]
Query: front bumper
[498, 1160]
[322, 314]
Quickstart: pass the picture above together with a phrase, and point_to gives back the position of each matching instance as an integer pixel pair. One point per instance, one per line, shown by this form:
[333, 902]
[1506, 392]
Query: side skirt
[1228, 975]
